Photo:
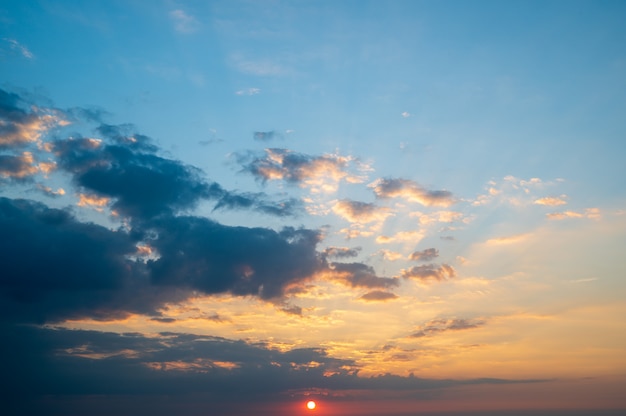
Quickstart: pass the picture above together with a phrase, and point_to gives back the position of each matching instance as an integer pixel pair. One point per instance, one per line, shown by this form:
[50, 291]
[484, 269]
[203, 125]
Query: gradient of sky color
[390, 207]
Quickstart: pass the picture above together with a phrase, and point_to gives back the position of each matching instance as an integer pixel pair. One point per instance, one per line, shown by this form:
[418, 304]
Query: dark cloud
[361, 275]
[56, 267]
[429, 272]
[378, 295]
[442, 325]
[143, 184]
[202, 255]
[424, 255]
[72, 365]
[256, 201]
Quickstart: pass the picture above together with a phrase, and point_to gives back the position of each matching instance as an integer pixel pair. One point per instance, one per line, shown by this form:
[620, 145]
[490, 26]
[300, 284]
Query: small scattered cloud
[438, 326]
[184, 22]
[359, 275]
[266, 136]
[360, 212]
[412, 237]
[322, 174]
[429, 272]
[551, 201]
[411, 191]
[512, 239]
[378, 296]
[259, 67]
[248, 91]
[406, 114]
[424, 255]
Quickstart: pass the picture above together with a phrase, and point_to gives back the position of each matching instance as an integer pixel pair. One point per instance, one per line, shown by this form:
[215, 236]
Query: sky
[388, 207]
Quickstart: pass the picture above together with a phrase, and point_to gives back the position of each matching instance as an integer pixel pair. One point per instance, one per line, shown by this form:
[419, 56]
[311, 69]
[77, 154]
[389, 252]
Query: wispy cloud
[248, 91]
[183, 21]
[378, 296]
[12, 46]
[591, 213]
[438, 326]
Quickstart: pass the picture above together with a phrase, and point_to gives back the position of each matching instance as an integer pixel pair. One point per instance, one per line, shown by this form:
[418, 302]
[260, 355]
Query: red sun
[310, 405]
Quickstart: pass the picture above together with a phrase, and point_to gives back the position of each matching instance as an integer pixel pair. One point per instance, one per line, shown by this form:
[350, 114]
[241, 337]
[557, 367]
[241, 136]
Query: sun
[310, 405]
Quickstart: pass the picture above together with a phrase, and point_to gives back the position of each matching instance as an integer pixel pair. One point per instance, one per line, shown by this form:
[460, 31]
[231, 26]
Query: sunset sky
[230, 208]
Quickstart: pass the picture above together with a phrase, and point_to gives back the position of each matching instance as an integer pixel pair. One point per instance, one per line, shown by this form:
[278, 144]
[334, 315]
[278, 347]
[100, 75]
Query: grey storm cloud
[424, 255]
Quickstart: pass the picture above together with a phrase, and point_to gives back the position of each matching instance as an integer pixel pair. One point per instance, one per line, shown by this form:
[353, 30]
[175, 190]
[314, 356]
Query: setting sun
[310, 405]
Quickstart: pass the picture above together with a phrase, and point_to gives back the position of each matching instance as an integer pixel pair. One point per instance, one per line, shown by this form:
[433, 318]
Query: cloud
[265, 136]
[142, 184]
[55, 368]
[13, 47]
[378, 296]
[413, 237]
[202, 255]
[360, 275]
[591, 213]
[551, 201]
[320, 173]
[248, 91]
[341, 252]
[438, 326]
[424, 255]
[259, 67]
[406, 114]
[411, 191]
[360, 212]
[429, 272]
[19, 127]
[17, 167]
[512, 239]
[184, 22]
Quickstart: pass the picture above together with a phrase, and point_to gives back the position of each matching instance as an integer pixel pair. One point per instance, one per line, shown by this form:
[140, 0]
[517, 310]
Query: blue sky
[404, 201]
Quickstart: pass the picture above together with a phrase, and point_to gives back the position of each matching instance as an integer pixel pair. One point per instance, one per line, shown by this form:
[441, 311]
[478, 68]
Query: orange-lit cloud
[402, 236]
[92, 201]
[321, 174]
[591, 213]
[551, 201]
